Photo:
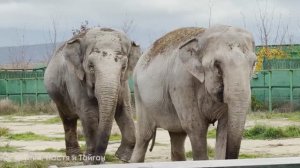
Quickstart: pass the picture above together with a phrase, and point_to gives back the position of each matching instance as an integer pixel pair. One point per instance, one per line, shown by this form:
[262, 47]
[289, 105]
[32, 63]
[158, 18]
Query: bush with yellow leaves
[269, 53]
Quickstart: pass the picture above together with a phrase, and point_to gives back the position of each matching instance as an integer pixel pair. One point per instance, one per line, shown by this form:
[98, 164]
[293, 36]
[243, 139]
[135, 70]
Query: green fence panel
[23, 86]
[27, 86]
[271, 64]
[277, 88]
[274, 88]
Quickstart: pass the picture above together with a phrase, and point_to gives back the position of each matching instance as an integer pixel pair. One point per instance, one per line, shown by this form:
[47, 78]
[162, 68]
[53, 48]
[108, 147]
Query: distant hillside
[36, 53]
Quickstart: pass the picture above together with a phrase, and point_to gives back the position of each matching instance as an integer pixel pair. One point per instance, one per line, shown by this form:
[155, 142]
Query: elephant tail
[153, 141]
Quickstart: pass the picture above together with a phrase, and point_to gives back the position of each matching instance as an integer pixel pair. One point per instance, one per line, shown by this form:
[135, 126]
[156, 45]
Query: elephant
[188, 79]
[87, 78]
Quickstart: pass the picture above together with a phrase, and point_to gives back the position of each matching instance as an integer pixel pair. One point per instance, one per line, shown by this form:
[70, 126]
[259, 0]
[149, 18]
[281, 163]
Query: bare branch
[210, 12]
[244, 19]
[128, 26]
[53, 41]
[18, 55]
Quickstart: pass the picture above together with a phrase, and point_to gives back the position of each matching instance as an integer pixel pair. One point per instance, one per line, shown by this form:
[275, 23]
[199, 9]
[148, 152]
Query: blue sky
[26, 22]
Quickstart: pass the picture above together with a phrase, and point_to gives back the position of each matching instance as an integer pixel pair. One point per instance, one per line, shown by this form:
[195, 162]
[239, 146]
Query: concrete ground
[161, 152]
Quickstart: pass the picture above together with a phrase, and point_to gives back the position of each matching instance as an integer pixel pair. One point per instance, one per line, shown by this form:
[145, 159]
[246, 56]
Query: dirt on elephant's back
[173, 39]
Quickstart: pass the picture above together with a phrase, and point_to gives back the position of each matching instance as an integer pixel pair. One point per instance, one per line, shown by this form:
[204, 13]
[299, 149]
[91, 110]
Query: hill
[32, 53]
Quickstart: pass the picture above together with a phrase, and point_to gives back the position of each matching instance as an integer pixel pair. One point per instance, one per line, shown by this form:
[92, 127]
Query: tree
[269, 31]
[210, 11]
[269, 53]
[18, 55]
[51, 48]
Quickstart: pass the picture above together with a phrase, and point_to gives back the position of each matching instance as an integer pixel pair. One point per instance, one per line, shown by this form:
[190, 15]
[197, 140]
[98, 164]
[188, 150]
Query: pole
[36, 88]
[270, 91]
[291, 89]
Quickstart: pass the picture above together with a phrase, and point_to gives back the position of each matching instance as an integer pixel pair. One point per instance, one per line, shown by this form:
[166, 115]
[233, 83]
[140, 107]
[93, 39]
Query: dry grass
[41, 108]
[8, 107]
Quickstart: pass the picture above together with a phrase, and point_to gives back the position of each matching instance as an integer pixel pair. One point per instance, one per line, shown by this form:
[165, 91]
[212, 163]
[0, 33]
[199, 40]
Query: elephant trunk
[237, 96]
[106, 92]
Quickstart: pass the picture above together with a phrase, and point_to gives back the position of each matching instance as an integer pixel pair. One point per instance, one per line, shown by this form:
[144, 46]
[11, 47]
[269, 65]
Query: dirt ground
[161, 152]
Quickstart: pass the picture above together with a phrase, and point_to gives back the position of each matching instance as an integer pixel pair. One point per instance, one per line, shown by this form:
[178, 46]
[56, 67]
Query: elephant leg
[199, 143]
[123, 117]
[221, 142]
[126, 125]
[145, 131]
[72, 146]
[177, 146]
[89, 125]
[191, 119]
[143, 138]
[70, 128]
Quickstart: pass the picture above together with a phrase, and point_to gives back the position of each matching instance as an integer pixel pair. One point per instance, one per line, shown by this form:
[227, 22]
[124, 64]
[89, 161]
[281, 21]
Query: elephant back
[173, 39]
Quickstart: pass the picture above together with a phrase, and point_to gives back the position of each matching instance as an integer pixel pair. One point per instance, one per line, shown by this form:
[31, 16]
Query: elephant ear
[74, 56]
[134, 55]
[189, 54]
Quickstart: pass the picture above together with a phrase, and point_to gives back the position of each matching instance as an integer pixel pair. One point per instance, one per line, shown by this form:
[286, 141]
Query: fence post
[270, 91]
[291, 89]
[36, 88]
[21, 86]
[6, 84]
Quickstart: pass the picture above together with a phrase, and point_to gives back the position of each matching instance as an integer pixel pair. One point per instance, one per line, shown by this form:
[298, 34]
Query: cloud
[151, 18]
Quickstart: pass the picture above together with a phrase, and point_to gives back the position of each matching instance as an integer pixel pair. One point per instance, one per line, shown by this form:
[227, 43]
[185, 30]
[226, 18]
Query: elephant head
[222, 58]
[102, 59]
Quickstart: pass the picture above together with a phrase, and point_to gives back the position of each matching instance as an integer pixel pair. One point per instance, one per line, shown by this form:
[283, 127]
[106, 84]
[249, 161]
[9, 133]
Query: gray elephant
[87, 78]
[188, 79]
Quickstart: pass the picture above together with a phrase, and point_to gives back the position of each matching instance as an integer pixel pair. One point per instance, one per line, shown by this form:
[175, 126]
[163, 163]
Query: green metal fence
[26, 86]
[23, 86]
[292, 63]
[273, 88]
[277, 88]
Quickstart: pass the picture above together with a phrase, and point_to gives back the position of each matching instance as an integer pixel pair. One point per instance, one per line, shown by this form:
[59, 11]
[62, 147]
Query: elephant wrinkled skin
[87, 78]
[188, 79]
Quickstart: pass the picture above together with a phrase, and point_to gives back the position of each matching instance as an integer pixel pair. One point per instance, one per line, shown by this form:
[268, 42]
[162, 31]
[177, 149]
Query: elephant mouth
[220, 81]
[91, 90]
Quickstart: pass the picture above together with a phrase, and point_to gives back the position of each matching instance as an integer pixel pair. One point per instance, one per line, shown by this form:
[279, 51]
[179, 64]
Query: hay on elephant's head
[174, 38]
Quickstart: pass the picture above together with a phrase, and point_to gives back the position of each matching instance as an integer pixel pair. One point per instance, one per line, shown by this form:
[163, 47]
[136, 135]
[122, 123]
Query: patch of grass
[53, 120]
[210, 152]
[251, 155]
[7, 107]
[212, 133]
[256, 104]
[30, 136]
[111, 158]
[267, 132]
[40, 108]
[3, 131]
[25, 164]
[292, 116]
[115, 137]
[52, 150]
[8, 148]
[83, 147]
[38, 164]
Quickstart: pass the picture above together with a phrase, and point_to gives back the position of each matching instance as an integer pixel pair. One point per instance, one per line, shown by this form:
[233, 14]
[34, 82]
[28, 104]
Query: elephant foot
[124, 153]
[73, 152]
[93, 159]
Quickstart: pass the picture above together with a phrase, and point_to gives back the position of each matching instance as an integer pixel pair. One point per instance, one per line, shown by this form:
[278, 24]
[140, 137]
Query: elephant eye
[124, 67]
[96, 50]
